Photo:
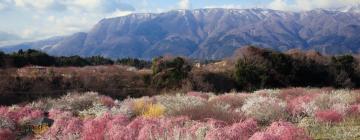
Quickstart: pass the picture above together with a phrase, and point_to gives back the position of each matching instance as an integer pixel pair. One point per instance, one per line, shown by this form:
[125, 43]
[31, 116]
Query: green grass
[349, 129]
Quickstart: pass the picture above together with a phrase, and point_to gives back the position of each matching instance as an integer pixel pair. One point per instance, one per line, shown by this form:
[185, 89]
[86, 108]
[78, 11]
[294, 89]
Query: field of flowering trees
[286, 114]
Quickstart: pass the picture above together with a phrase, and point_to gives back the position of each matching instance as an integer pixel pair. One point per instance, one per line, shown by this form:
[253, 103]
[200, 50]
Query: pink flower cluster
[354, 110]
[328, 116]
[295, 105]
[7, 134]
[107, 101]
[198, 94]
[20, 113]
[281, 131]
[242, 130]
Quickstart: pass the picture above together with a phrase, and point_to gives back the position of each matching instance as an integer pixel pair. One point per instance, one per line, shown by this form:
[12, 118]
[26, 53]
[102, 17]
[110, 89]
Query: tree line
[33, 57]
[258, 68]
[262, 68]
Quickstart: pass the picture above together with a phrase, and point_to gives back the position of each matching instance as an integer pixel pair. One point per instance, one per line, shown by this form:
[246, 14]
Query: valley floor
[272, 114]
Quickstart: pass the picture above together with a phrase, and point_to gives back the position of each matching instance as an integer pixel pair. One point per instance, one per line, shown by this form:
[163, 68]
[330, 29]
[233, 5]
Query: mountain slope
[213, 33]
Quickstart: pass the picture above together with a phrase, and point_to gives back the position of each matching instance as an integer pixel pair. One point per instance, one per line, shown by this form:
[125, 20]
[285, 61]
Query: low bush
[242, 130]
[264, 109]
[7, 134]
[287, 131]
[328, 116]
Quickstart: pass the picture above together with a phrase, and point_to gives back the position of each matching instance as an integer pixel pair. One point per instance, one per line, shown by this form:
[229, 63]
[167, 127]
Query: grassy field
[275, 114]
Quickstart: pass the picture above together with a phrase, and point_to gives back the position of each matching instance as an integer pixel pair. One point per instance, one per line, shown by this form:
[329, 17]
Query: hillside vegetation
[249, 69]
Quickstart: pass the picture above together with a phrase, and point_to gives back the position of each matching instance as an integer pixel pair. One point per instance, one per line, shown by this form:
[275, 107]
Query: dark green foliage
[307, 72]
[99, 60]
[250, 76]
[137, 63]
[168, 73]
[344, 71]
[34, 57]
[2, 56]
[72, 61]
[219, 82]
[31, 57]
[261, 68]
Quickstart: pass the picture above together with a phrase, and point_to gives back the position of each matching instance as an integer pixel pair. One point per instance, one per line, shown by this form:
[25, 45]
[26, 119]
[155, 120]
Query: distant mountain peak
[349, 8]
[213, 33]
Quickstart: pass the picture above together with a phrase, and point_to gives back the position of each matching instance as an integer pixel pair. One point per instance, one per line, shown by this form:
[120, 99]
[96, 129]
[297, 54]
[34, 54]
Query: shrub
[354, 110]
[77, 102]
[107, 101]
[7, 134]
[116, 128]
[286, 131]
[296, 106]
[6, 123]
[94, 129]
[328, 116]
[168, 72]
[73, 128]
[250, 75]
[291, 93]
[233, 100]
[119, 132]
[154, 110]
[96, 110]
[237, 131]
[264, 109]
[138, 123]
[337, 100]
[140, 106]
[177, 103]
[244, 129]
[20, 114]
[199, 94]
[205, 111]
[268, 92]
[263, 136]
[151, 131]
[55, 130]
[58, 114]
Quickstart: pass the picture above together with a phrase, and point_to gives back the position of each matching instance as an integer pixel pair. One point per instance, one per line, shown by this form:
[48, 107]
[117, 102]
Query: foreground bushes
[290, 114]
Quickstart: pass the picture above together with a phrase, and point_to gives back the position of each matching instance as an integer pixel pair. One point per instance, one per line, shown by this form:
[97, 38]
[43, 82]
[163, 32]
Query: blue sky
[38, 19]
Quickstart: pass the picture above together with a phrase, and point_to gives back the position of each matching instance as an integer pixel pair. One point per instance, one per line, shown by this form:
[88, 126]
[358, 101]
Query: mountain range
[209, 33]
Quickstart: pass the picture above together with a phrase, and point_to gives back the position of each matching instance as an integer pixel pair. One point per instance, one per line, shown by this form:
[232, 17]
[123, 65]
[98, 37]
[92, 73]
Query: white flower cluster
[338, 100]
[96, 110]
[178, 102]
[269, 92]
[264, 108]
[7, 123]
[124, 108]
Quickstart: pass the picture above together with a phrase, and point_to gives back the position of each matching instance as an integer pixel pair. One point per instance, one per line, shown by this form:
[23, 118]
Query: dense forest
[33, 57]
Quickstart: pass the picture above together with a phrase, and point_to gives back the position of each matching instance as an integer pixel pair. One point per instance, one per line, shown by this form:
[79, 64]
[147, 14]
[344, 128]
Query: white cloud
[304, 5]
[87, 3]
[229, 6]
[36, 4]
[119, 13]
[51, 18]
[279, 5]
[46, 18]
[2, 6]
[184, 4]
